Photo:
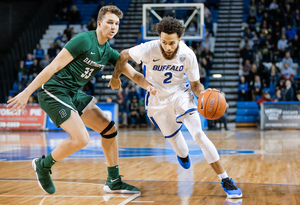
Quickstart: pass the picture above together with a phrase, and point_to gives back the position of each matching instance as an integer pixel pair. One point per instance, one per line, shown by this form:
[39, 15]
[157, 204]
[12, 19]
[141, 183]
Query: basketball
[211, 105]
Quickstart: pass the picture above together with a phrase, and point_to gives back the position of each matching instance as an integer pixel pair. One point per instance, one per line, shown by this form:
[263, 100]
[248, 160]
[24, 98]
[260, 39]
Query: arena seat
[247, 114]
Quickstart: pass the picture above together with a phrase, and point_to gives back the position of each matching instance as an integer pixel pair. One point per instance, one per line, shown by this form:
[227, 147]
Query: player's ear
[179, 39]
[99, 24]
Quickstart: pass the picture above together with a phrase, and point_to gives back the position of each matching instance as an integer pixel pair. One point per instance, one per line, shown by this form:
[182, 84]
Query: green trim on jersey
[89, 59]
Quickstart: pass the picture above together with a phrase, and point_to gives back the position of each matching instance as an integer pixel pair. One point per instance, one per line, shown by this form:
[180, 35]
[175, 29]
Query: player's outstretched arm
[115, 82]
[138, 78]
[20, 101]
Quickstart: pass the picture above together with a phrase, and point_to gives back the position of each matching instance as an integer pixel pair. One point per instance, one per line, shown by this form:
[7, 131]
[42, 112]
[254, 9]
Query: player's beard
[167, 56]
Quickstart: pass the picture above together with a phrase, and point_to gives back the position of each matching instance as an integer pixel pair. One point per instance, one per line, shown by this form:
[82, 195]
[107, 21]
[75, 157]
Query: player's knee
[199, 137]
[110, 131]
[81, 142]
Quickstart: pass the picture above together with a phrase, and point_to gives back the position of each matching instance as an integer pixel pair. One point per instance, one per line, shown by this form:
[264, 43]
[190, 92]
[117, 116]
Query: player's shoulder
[151, 44]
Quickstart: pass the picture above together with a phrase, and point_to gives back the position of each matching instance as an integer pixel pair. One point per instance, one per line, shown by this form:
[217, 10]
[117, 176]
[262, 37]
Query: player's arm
[61, 60]
[138, 78]
[115, 82]
[197, 88]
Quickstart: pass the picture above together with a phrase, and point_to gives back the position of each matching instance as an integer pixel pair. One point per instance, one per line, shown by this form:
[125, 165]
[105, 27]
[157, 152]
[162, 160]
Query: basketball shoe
[117, 186]
[184, 162]
[43, 175]
[231, 189]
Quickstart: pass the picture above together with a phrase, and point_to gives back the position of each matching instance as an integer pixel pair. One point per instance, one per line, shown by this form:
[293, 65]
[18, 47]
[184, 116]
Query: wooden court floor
[264, 164]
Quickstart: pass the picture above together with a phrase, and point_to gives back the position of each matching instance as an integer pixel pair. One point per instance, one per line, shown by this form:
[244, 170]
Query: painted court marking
[126, 201]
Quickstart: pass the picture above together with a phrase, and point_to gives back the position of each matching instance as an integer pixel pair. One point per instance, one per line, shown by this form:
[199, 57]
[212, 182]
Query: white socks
[223, 175]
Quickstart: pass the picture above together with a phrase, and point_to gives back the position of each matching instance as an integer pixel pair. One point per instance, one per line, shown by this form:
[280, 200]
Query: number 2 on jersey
[168, 79]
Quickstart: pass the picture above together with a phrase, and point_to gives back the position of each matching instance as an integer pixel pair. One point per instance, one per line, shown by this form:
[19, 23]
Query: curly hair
[170, 25]
[110, 8]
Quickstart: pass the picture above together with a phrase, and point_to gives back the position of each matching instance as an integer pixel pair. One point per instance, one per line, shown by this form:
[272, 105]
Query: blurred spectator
[247, 54]
[39, 53]
[282, 45]
[134, 111]
[245, 42]
[294, 45]
[243, 89]
[22, 75]
[52, 51]
[191, 29]
[290, 32]
[202, 73]
[132, 93]
[257, 88]
[28, 62]
[278, 96]
[265, 98]
[252, 73]
[74, 15]
[207, 13]
[264, 27]
[248, 33]
[296, 18]
[34, 70]
[205, 43]
[273, 5]
[246, 68]
[63, 41]
[287, 15]
[287, 72]
[274, 77]
[288, 94]
[205, 65]
[287, 59]
[45, 61]
[58, 38]
[63, 14]
[122, 113]
[251, 21]
[208, 55]
[68, 32]
[92, 24]
[209, 26]
[257, 57]
[280, 85]
[82, 29]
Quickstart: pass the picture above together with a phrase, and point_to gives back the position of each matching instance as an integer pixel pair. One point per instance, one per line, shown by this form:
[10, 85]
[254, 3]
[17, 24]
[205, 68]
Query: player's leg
[58, 105]
[193, 124]
[181, 149]
[79, 138]
[94, 118]
[164, 118]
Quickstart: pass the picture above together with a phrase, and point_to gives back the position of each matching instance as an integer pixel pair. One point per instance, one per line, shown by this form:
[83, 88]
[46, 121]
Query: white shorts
[166, 114]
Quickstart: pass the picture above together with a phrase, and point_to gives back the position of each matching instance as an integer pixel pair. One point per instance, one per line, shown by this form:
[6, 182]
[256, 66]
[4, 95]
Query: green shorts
[57, 100]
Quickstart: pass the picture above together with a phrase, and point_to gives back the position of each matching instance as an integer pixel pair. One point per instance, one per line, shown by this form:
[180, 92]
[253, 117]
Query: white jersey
[167, 76]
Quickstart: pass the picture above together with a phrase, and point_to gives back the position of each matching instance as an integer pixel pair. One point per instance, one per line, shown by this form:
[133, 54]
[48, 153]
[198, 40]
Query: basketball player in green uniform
[68, 107]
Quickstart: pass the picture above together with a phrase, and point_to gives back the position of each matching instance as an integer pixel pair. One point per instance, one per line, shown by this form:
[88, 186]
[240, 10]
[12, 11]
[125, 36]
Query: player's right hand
[114, 83]
[18, 102]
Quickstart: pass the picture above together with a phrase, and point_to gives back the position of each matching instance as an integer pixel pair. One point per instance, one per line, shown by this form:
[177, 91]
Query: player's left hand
[152, 90]
[114, 83]
[18, 102]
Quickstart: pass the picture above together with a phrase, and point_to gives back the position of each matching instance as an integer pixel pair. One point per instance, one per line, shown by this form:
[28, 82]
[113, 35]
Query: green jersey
[89, 59]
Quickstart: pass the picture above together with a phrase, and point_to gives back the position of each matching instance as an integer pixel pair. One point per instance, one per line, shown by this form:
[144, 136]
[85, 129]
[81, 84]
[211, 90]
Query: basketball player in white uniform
[167, 63]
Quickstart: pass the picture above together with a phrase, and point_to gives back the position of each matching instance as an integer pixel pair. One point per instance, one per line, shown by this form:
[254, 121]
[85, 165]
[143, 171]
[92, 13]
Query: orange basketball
[211, 105]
